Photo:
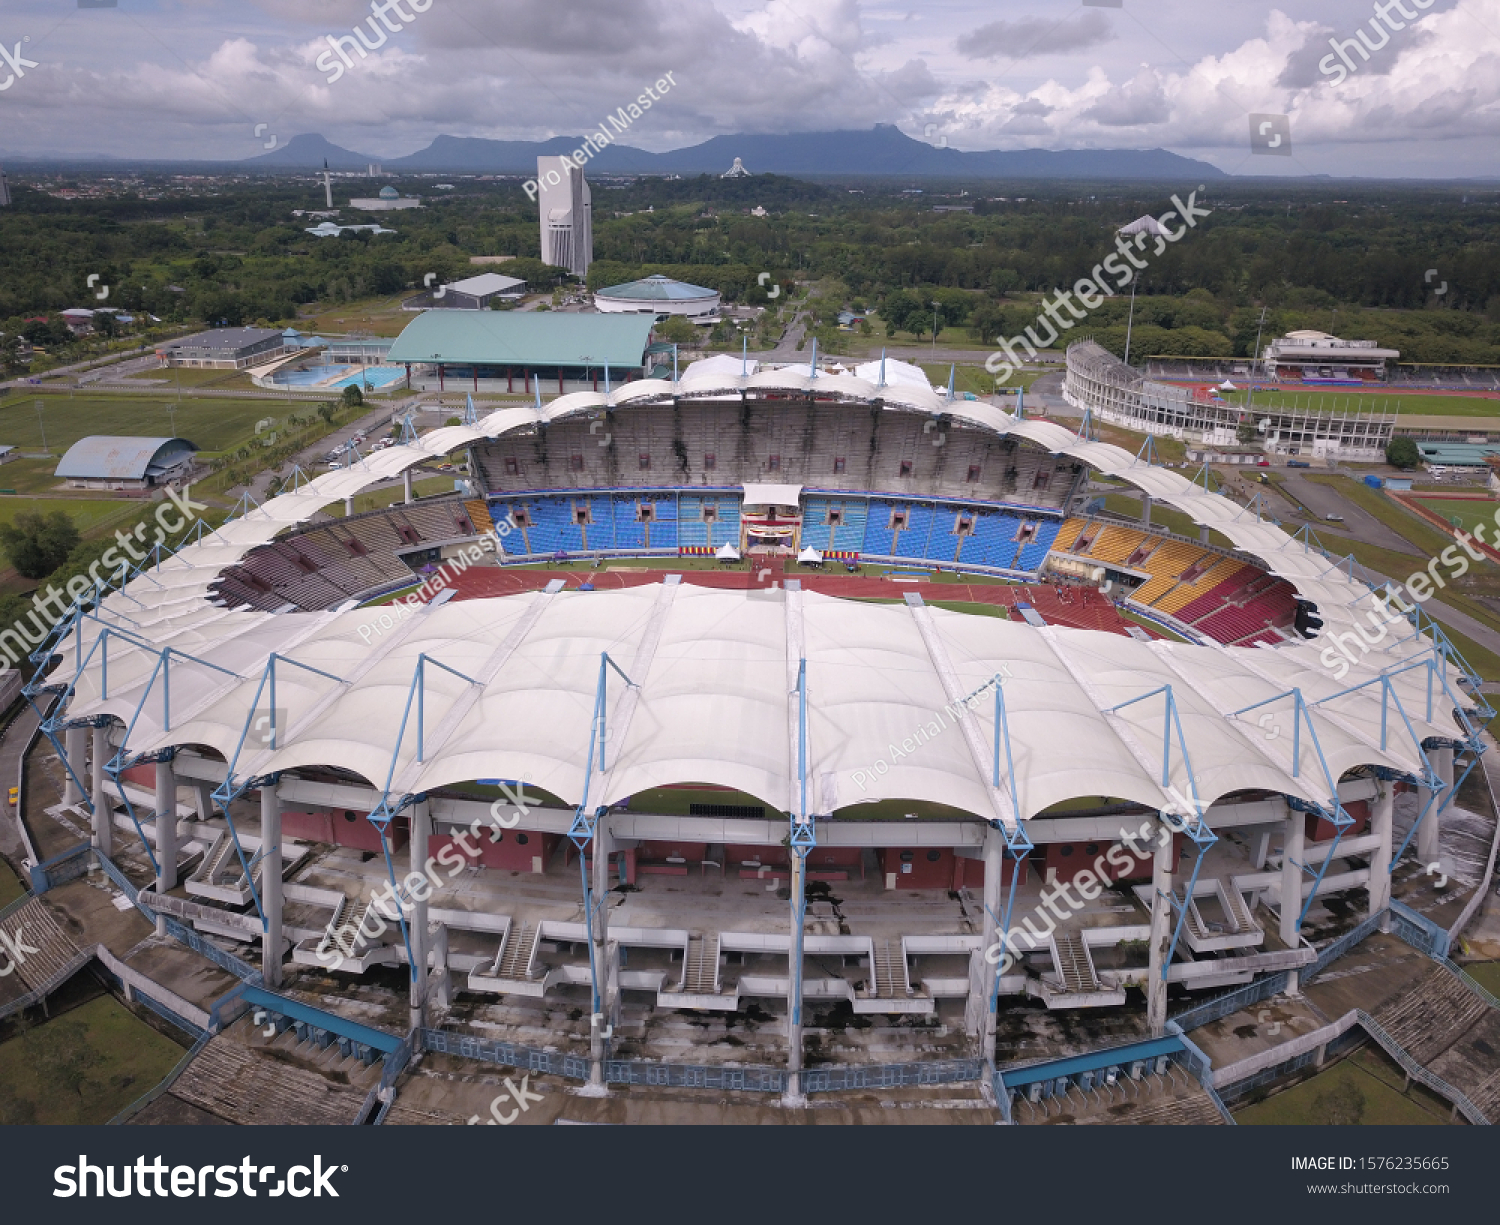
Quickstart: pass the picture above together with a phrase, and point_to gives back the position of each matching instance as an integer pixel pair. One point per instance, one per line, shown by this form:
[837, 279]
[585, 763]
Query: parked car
[1298, 463]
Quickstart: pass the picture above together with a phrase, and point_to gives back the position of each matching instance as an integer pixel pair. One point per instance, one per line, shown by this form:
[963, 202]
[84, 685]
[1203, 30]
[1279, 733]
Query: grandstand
[719, 751]
[1099, 382]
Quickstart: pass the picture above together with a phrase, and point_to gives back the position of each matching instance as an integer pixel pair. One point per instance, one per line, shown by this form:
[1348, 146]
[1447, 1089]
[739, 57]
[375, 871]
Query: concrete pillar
[104, 823]
[599, 937]
[270, 884]
[75, 745]
[1260, 848]
[1162, 864]
[348, 507]
[794, 977]
[406, 485]
[1430, 834]
[442, 984]
[1382, 809]
[203, 799]
[1293, 855]
[979, 1021]
[166, 835]
[416, 918]
[1202, 535]
[1146, 510]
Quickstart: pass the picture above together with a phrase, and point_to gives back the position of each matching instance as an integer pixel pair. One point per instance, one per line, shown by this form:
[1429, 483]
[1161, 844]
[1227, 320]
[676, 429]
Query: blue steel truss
[1147, 454]
[586, 821]
[1192, 822]
[1018, 842]
[231, 788]
[471, 414]
[1334, 810]
[803, 838]
[385, 811]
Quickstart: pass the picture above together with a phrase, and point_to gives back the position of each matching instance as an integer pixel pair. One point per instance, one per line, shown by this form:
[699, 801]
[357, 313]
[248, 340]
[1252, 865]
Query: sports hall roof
[112, 458]
[524, 338]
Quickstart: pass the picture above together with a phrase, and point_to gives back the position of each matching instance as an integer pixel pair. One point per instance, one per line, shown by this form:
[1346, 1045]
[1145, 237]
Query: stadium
[764, 731]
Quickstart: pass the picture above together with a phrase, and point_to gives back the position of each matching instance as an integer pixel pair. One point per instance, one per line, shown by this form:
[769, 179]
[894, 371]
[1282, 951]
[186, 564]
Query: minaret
[327, 184]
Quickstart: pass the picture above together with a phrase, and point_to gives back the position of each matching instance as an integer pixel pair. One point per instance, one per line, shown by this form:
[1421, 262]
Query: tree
[1402, 453]
[1245, 432]
[326, 411]
[676, 331]
[353, 396]
[38, 544]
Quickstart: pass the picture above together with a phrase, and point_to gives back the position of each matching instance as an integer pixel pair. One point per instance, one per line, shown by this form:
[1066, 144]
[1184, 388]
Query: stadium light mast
[935, 305]
[1250, 394]
[1130, 319]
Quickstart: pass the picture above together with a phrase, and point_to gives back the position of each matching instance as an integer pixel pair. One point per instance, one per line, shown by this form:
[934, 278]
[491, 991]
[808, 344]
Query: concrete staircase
[516, 959]
[1070, 956]
[241, 1085]
[57, 958]
[700, 968]
[890, 972]
[1430, 1019]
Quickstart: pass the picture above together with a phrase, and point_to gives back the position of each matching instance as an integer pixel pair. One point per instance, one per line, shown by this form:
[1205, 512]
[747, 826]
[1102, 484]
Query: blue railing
[1418, 930]
[507, 1054]
[1231, 1001]
[891, 1075]
[1333, 951]
[694, 1076]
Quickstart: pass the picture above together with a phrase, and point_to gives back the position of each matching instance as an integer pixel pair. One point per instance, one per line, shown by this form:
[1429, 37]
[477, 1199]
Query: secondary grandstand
[1098, 381]
[756, 799]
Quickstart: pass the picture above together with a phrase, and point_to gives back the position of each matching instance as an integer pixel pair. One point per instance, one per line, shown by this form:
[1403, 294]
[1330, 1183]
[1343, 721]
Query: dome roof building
[660, 296]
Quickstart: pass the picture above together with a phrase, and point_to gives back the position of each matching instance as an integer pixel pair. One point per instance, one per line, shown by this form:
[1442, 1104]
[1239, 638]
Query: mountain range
[883, 151]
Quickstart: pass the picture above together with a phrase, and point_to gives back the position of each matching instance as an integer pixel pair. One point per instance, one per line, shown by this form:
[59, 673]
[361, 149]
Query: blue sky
[195, 78]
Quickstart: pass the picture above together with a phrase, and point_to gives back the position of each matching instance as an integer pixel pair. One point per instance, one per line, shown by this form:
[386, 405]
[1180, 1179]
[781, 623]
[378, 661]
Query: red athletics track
[1081, 608]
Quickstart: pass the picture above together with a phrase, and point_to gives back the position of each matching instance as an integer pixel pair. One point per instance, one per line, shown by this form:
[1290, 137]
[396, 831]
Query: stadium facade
[714, 796]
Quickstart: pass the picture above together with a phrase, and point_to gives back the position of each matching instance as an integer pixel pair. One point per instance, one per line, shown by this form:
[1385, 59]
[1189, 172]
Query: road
[1324, 500]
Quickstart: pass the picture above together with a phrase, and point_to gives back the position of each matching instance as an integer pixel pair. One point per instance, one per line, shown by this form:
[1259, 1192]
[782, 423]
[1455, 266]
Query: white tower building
[566, 215]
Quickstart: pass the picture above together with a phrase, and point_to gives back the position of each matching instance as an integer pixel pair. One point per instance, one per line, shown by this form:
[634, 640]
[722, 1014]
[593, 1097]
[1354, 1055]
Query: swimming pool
[336, 378]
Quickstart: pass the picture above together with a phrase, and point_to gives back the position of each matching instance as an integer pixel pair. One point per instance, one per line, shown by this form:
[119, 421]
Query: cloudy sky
[196, 78]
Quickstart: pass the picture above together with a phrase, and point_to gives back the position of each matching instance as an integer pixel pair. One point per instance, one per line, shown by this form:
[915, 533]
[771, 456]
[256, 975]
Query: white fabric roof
[715, 668]
[713, 702]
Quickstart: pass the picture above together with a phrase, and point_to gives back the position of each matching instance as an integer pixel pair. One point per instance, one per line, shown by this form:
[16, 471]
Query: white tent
[809, 556]
[728, 553]
[1226, 385]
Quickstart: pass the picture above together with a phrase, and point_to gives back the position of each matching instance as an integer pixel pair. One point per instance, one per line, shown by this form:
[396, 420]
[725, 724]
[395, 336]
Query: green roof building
[508, 350]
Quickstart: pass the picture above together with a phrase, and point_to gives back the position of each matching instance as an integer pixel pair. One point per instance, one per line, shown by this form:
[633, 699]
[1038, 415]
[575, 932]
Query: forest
[1416, 267]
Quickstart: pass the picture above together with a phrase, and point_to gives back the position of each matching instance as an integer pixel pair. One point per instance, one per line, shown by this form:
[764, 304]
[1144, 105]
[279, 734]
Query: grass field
[83, 1066]
[212, 424]
[1407, 405]
[1466, 513]
[382, 316]
[10, 885]
[1365, 1073]
[1485, 973]
[423, 487]
[86, 513]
